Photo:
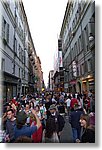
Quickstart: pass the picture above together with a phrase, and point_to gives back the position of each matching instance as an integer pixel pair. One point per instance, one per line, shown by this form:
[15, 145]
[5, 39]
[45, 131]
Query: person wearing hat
[58, 119]
[22, 129]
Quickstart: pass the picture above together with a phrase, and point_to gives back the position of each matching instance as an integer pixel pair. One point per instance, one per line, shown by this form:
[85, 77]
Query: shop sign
[74, 68]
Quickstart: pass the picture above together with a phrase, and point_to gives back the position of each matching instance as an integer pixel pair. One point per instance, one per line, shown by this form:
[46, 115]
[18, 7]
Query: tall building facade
[58, 69]
[38, 75]
[78, 46]
[17, 50]
[51, 80]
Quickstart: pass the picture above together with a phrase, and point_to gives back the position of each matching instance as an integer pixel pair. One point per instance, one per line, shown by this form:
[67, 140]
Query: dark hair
[21, 118]
[50, 127]
[32, 103]
[38, 106]
[23, 139]
[11, 110]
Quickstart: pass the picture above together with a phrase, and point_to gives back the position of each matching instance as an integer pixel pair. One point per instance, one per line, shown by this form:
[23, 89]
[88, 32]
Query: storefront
[9, 86]
[88, 83]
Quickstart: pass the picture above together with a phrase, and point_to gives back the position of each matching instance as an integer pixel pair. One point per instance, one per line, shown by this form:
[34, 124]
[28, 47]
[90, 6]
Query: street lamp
[91, 38]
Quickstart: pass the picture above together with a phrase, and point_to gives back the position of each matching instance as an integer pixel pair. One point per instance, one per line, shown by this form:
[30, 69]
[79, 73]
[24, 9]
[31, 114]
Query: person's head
[52, 109]
[21, 118]
[37, 108]
[8, 107]
[10, 114]
[23, 139]
[85, 120]
[40, 103]
[50, 127]
[76, 106]
[32, 104]
[27, 107]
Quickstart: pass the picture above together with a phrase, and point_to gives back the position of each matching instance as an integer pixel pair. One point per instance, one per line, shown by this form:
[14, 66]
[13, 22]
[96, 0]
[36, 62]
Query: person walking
[50, 134]
[68, 100]
[22, 129]
[58, 119]
[74, 119]
[88, 130]
[10, 124]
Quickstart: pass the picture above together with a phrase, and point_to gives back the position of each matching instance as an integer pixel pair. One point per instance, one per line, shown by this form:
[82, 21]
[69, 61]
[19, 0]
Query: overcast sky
[45, 19]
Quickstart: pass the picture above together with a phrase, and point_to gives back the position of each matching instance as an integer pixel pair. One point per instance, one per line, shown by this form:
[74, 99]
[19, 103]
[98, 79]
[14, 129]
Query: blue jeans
[75, 134]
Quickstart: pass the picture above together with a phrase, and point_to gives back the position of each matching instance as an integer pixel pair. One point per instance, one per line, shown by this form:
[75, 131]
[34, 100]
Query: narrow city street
[66, 135]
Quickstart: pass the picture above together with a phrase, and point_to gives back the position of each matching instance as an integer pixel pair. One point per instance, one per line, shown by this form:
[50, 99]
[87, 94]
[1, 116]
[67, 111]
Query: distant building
[51, 81]
[58, 69]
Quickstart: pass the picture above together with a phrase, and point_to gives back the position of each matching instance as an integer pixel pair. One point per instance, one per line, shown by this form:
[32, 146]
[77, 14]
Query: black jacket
[88, 136]
[60, 122]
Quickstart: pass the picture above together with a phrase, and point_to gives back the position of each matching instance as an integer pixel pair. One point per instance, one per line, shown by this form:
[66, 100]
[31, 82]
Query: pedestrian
[22, 129]
[74, 119]
[58, 119]
[50, 134]
[88, 130]
[10, 124]
[28, 112]
[74, 101]
[68, 100]
[36, 136]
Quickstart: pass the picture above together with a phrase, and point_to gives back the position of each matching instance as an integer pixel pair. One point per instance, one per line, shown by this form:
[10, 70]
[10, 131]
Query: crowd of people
[40, 118]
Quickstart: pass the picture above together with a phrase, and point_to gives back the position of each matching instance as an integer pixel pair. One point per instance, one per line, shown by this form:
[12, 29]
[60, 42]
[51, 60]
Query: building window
[3, 64]
[86, 66]
[5, 31]
[72, 53]
[78, 71]
[22, 73]
[15, 45]
[13, 72]
[86, 37]
[82, 68]
[19, 72]
[79, 43]
[89, 65]
[91, 25]
[16, 20]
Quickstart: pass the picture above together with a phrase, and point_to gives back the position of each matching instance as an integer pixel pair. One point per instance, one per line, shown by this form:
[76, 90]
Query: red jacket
[73, 102]
[37, 136]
